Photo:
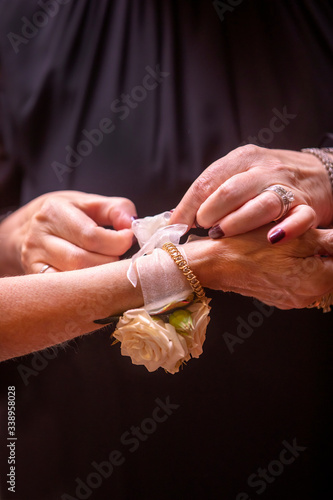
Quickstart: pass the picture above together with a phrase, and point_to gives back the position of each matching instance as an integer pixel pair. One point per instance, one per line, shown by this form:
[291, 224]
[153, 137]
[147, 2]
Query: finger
[255, 213]
[297, 222]
[230, 196]
[72, 224]
[237, 161]
[64, 256]
[186, 211]
[108, 211]
[199, 191]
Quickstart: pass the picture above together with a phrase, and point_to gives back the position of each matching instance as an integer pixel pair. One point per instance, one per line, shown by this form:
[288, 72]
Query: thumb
[110, 211]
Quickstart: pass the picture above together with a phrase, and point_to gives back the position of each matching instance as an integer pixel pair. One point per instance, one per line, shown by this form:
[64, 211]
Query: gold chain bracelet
[174, 253]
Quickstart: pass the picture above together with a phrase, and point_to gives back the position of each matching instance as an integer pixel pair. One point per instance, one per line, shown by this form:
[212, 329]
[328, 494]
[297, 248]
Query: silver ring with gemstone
[286, 198]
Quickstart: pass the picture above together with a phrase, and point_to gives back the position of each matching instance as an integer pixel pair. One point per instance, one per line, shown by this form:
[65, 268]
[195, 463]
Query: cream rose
[200, 318]
[192, 323]
[150, 342]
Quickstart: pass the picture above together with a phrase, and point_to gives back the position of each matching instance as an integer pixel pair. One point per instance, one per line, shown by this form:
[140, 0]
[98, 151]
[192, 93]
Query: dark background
[230, 70]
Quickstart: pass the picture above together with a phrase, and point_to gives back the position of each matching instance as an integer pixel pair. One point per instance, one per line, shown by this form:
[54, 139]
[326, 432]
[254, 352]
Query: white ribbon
[151, 233]
[161, 281]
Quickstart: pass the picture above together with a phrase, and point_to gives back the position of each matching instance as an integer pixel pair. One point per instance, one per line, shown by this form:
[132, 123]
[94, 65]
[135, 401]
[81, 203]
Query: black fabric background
[227, 79]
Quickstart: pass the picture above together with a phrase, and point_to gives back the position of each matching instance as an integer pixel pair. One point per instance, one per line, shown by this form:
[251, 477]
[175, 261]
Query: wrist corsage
[171, 327]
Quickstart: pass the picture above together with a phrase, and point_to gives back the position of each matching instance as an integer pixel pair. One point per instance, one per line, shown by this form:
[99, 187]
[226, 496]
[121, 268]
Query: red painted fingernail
[216, 232]
[276, 236]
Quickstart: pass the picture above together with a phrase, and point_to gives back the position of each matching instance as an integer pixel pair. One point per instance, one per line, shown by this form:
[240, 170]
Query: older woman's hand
[64, 230]
[287, 276]
[228, 197]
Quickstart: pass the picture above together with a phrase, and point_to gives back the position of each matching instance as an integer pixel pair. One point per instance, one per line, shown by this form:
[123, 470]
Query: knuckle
[126, 202]
[47, 210]
[25, 256]
[202, 188]
[88, 238]
[226, 193]
[293, 174]
[121, 203]
[76, 260]
[249, 150]
[308, 212]
[30, 248]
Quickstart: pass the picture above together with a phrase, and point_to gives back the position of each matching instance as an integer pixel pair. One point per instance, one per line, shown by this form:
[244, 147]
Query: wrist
[161, 281]
[200, 260]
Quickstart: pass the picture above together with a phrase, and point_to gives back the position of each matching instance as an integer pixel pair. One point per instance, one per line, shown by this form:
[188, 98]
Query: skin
[286, 276]
[63, 229]
[41, 310]
[37, 311]
[229, 193]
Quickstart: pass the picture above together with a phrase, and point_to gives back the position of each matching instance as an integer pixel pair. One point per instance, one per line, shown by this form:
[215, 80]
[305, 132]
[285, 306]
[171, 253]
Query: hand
[63, 229]
[228, 196]
[287, 276]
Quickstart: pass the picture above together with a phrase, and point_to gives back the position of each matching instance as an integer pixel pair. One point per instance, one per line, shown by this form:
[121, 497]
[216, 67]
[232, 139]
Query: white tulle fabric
[161, 280]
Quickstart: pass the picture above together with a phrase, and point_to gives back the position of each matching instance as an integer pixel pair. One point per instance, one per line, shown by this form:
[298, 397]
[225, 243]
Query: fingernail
[197, 225]
[215, 232]
[134, 217]
[276, 236]
[172, 210]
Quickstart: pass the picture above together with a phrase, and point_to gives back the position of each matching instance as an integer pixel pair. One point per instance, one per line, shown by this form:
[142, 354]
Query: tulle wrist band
[160, 280]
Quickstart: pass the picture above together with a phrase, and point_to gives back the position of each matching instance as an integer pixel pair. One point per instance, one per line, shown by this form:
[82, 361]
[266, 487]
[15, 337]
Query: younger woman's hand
[64, 230]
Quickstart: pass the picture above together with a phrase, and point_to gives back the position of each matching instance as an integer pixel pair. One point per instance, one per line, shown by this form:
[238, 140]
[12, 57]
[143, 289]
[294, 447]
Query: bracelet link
[177, 257]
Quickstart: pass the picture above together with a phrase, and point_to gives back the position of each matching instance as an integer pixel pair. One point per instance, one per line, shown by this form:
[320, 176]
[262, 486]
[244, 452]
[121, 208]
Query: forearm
[37, 311]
